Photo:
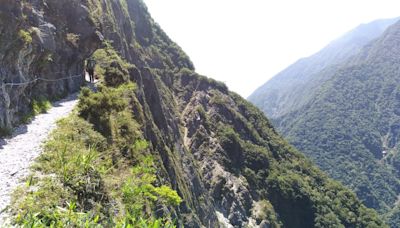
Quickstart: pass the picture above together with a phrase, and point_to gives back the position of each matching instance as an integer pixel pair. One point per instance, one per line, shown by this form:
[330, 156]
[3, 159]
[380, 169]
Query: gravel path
[18, 152]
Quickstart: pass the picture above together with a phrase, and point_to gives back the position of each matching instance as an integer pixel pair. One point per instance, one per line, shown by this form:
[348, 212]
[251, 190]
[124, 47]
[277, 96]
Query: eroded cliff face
[41, 40]
[219, 152]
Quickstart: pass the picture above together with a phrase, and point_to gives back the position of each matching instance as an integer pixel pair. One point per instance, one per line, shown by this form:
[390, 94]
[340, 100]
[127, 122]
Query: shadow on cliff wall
[22, 129]
[2, 143]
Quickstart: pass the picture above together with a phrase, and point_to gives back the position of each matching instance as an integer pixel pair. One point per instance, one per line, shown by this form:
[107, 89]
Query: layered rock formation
[37, 41]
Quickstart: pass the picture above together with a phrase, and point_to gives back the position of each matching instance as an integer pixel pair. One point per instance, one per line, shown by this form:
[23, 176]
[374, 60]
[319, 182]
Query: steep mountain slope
[177, 130]
[290, 89]
[352, 118]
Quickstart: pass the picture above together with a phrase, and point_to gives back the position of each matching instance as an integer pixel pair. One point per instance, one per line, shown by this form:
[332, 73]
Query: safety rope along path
[40, 79]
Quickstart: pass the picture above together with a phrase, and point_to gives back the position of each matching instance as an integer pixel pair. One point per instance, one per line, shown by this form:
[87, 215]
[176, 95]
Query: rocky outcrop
[40, 42]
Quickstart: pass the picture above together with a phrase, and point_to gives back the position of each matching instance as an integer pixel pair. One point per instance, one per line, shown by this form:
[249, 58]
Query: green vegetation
[38, 106]
[96, 169]
[113, 103]
[111, 67]
[171, 148]
[69, 171]
[346, 122]
[301, 194]
[80, 174]
[393, 217]
[139, 194]
[296, 85]
[25, 36]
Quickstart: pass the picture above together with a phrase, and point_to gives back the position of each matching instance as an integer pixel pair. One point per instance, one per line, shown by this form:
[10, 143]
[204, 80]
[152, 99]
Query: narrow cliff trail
[18, 152]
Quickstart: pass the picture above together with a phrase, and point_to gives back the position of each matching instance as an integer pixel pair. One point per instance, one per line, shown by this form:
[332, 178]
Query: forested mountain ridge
[350, 125]
[288, 90]
[157, 144]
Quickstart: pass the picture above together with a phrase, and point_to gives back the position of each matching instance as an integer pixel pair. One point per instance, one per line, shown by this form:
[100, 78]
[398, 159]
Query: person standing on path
[90, 65]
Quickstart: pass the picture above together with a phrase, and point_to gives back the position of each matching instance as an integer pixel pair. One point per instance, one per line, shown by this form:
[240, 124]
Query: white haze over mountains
[245, 43]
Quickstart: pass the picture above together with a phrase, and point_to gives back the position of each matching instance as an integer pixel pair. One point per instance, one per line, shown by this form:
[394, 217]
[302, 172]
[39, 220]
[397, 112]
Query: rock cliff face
[39, 41]
[219, 152]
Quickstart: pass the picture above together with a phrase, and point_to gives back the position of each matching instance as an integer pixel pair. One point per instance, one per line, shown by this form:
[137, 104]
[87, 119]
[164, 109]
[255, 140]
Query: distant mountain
[156, 144]
[349, 121]
[287, 90]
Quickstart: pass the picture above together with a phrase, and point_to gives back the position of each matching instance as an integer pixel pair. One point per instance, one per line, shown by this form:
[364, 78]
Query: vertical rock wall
[38, 39]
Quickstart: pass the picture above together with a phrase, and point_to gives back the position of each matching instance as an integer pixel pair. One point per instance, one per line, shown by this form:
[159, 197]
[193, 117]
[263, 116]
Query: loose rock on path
[18, 152]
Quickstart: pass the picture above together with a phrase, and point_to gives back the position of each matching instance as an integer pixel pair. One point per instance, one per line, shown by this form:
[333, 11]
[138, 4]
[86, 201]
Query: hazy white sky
[245, 42]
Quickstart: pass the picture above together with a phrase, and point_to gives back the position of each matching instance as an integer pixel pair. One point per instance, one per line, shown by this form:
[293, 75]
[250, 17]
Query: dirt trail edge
[18, 152]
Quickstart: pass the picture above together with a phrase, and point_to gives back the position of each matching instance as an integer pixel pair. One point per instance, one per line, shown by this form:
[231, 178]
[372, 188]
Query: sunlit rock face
[41, 41]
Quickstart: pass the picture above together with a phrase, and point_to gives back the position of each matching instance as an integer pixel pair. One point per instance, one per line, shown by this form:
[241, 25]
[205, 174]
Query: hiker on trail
[91, 63]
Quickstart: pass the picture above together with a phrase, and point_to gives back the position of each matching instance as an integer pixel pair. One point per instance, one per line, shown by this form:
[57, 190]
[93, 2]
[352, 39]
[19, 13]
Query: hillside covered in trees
[156, 145]
[292, 88]
[348, 123]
